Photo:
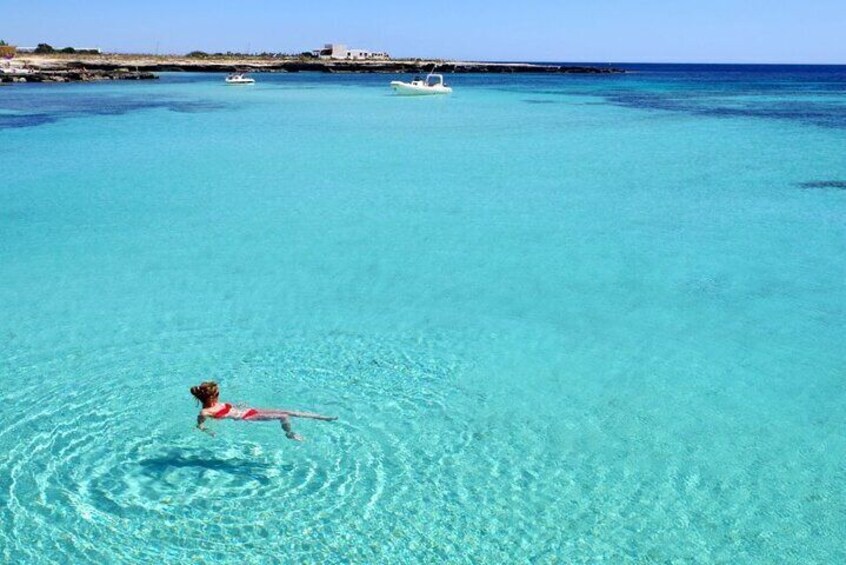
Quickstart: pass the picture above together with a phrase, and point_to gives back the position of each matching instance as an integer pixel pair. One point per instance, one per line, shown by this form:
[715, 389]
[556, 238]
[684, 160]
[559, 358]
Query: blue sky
[746, 31]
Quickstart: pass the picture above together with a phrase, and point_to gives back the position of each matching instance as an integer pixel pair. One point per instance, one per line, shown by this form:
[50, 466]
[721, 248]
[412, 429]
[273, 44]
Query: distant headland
[71, 65]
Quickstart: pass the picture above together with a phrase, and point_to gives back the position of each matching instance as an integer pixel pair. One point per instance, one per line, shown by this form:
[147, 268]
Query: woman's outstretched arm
[201, 425]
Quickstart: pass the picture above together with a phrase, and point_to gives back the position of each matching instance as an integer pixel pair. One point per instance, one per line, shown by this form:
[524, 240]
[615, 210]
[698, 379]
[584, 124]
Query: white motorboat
[239, 78]
[432, 84]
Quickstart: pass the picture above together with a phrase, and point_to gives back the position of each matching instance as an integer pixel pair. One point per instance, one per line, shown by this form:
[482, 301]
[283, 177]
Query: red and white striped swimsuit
[232, 412]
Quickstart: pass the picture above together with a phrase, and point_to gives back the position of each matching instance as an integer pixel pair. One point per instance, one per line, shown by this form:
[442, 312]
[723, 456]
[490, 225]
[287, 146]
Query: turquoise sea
[562, 318]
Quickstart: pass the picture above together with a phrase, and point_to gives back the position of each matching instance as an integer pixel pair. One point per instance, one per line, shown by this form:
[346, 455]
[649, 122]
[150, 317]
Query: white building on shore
[339, 51]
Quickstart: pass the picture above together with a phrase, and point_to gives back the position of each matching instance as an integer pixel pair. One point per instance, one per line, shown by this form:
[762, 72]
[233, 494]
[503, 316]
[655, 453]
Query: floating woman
[208, 393]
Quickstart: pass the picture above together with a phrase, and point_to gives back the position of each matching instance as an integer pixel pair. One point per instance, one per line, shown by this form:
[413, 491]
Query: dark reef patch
[35, 112]
[822, 114]
[535, 101]
[839, 184]
[25, 120]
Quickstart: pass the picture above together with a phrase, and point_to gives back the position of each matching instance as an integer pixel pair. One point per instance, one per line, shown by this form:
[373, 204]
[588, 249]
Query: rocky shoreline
[36, 68]
[78, 75]
[385, 67]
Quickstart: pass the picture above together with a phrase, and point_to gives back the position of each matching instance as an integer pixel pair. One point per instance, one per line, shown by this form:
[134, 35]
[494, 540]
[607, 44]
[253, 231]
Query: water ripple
[100, 472]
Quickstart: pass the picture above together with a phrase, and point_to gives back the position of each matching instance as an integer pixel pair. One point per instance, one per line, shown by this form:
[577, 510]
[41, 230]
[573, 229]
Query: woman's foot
[293, 436]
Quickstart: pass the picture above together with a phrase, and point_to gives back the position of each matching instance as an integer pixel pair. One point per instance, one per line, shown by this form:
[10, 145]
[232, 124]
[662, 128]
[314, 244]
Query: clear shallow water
[561, 318]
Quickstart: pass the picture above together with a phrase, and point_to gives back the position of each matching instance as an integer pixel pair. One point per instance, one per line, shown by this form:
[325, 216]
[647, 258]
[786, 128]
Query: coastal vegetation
[47, 49]
[6, 51]
[237, 55]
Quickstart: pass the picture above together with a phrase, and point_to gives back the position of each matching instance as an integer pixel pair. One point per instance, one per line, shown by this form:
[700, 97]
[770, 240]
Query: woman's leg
[289, 433]
[284, 417]
[277, 414]
[311, 415]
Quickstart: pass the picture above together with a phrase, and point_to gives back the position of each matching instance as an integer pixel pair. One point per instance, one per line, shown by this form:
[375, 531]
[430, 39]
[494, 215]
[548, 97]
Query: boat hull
[406, 89]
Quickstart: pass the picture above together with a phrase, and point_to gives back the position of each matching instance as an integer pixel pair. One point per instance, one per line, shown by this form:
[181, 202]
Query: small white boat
[239, 78]
[432, 84]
